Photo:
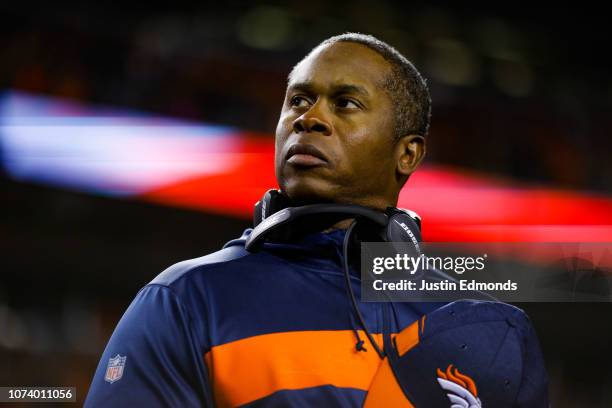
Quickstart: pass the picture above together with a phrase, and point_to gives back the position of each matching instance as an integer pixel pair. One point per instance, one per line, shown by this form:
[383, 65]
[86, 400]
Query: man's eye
[298, 102]
[345, 103]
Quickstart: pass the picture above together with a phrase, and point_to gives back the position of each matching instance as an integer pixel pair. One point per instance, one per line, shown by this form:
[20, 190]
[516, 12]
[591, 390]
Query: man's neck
[376, 203]
[341, 225]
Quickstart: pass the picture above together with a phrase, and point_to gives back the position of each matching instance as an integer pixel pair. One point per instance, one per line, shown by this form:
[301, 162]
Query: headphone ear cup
[271, 202]
[403, 228]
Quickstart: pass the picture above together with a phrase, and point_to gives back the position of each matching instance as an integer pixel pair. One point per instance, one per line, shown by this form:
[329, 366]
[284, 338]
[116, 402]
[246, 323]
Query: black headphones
[274, 219]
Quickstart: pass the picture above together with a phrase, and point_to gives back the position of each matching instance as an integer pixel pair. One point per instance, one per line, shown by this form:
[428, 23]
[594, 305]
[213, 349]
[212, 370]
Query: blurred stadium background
[132, 138]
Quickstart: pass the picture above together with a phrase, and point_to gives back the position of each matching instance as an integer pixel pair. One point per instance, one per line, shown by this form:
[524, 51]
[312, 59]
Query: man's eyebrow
[349, 89]
[336, 89]
[301, 86]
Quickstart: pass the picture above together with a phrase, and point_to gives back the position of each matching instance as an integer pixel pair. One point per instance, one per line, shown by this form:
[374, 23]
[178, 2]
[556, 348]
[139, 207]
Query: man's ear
[409, 151]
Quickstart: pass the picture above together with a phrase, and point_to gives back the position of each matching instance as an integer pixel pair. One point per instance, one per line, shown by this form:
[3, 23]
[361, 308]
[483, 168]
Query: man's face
[334, 139]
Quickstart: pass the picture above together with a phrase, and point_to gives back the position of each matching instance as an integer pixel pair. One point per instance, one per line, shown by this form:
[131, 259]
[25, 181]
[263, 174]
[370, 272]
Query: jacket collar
[321, 250]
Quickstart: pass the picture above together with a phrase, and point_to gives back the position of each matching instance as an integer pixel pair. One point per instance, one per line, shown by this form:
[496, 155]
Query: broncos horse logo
[460, 389]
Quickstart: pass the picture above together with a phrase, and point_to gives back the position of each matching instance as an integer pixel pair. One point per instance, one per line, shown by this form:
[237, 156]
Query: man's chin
[308, 190]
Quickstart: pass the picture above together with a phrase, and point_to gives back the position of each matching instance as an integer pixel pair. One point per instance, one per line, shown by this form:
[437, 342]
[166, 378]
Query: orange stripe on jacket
[385, 390]
[407, 338]
[248, 369]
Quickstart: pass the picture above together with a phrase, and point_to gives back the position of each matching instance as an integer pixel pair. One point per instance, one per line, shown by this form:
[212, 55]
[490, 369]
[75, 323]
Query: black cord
[349, 287]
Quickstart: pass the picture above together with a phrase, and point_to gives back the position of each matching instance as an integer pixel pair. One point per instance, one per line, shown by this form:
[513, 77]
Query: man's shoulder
[223, 258]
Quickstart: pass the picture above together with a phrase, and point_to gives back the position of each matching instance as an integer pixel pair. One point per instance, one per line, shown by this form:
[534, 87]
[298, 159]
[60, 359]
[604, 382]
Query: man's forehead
[341, 63]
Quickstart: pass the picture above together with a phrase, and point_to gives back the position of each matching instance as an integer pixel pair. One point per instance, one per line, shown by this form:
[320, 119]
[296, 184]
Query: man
[275, 328]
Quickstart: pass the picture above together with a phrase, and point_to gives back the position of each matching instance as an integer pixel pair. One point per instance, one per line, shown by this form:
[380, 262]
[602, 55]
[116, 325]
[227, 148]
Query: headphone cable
[349, 287]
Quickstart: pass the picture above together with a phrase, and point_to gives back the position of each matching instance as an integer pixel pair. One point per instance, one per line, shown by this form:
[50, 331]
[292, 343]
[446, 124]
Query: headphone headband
[275, 219]
[332, 212]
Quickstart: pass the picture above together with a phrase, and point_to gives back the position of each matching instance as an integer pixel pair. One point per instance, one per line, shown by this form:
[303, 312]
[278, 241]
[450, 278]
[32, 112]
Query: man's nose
[312, 121]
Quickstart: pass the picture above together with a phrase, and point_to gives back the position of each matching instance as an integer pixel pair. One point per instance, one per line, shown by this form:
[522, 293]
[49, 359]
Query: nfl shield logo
[114, 369]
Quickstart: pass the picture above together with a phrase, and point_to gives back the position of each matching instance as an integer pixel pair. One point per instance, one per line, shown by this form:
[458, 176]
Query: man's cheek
[283, 129]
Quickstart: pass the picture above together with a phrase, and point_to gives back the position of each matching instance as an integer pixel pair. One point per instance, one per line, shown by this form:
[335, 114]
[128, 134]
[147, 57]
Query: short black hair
[405, 85]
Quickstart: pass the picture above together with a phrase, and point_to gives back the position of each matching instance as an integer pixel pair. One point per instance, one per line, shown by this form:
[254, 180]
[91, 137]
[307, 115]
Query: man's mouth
[305, 155]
